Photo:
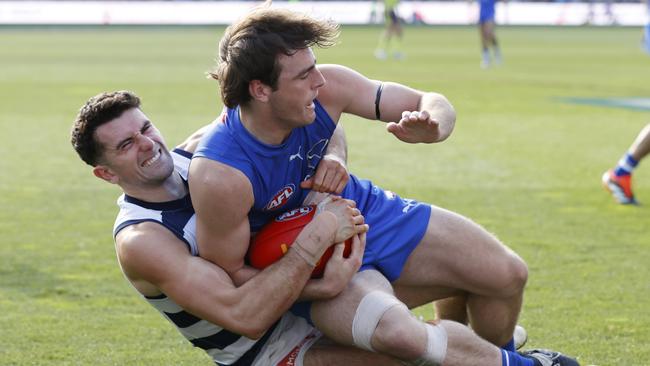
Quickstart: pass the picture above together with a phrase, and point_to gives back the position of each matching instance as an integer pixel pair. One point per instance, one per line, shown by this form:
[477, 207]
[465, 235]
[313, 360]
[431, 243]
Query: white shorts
[288, 343]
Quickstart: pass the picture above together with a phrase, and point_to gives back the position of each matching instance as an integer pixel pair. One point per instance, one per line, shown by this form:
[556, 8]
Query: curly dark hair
[249, 48]
[100, 109]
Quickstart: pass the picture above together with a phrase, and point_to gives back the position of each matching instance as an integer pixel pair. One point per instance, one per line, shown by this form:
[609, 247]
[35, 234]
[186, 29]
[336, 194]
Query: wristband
[321, 205]
[302, 252]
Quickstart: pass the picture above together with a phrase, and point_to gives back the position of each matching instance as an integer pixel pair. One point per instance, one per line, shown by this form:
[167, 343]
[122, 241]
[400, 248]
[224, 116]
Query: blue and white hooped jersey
[275, 171]
[225, 347]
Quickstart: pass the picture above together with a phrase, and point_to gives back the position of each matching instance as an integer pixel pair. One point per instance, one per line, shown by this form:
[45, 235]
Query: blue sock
[515, 359]
[510, 346]
[626, 165]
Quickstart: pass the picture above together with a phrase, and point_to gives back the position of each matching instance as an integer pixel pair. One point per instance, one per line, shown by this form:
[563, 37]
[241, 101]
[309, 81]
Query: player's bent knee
[517, 276]
[509, 278]
[369, 312]
[397, 335]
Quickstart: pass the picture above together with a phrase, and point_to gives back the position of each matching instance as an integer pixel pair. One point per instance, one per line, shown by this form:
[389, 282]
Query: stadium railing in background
[563, 13]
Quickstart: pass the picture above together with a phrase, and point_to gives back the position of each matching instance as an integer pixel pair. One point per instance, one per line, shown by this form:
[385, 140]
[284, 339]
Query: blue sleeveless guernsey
[275, 171]
[486, 11]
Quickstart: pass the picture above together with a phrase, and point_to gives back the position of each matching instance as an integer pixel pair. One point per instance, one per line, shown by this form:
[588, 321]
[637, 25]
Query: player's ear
[259, 91]
[105, 173]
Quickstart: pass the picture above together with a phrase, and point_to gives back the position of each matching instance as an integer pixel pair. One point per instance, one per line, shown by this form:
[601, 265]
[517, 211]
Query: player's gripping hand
[349, 218]
[331, 176]
[414, 127]
[339, 269]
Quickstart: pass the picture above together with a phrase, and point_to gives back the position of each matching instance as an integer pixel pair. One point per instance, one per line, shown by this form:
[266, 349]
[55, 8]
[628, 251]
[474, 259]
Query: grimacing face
[298, 84]
[134, 152]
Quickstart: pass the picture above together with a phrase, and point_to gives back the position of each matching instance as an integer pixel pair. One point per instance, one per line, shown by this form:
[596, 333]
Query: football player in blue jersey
[486, 25]
[281, 111]
[236, 323]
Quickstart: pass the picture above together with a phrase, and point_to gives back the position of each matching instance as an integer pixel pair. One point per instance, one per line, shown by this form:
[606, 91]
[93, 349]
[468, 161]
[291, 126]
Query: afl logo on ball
[281, 197]
[294, 214]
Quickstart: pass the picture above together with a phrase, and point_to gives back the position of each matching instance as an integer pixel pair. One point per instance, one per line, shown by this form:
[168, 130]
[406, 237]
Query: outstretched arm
[432, 121]
[414, 116]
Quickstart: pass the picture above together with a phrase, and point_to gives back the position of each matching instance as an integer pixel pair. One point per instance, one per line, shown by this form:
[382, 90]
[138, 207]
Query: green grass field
[520, 162]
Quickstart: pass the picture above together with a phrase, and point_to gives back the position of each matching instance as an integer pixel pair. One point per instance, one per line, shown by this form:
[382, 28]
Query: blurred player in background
[281, 110]
[390, 39]
[487, 25]
[618, 180]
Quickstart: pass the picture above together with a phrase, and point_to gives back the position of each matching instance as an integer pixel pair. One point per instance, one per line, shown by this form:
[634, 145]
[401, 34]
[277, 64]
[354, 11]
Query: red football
[275, 238]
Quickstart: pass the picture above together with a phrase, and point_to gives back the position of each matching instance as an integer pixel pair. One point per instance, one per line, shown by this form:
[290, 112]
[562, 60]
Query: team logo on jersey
[408, 204]
[314, 156]
[296, 213]
[281, 197]
[296, 155]
[316, 153]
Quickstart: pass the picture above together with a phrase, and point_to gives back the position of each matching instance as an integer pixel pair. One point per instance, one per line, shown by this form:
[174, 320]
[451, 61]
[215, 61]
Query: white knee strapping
[370, 310]
[436, 346]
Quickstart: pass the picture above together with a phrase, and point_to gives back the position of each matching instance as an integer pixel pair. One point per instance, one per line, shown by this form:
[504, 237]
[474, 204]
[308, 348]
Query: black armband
[377, 99]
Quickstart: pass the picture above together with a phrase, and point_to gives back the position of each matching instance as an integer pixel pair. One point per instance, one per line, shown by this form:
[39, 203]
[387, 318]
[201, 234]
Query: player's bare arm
[339, 269]
[338, 272]
[433, 120]
[222, 197]
[413, 116]
[155, 261]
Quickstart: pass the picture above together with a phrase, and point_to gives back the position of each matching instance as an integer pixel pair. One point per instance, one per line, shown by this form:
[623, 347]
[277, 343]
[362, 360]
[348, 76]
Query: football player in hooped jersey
[156, 247]
[257, 161]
